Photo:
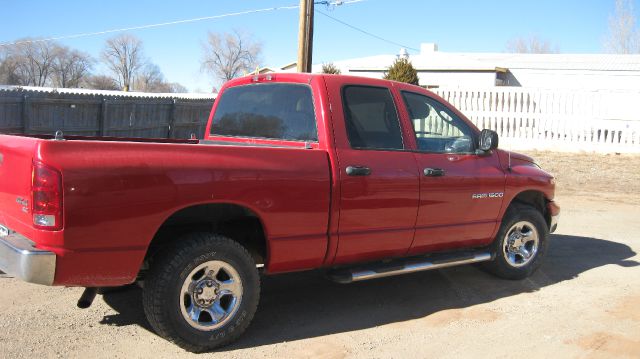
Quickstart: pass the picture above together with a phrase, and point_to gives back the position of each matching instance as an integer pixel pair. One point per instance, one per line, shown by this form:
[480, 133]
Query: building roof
[289, 66]
[596, 62]
[430, 59]
[432, 62]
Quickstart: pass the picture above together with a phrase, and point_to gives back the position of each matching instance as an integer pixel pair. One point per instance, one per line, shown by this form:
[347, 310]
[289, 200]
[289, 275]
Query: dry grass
[596, 174]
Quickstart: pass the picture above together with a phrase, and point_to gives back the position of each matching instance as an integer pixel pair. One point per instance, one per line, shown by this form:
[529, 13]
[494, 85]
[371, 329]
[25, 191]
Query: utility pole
[305, 36]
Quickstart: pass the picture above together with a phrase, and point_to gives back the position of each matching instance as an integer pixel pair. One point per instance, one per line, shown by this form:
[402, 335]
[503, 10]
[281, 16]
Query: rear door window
[272, 111]
[371, 118]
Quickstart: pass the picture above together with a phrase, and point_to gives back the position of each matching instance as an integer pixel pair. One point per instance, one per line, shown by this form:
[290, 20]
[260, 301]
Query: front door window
[437, 128]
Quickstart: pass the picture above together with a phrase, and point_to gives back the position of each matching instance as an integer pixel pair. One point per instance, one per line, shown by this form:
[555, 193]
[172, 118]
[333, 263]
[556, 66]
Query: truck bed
[118, 193]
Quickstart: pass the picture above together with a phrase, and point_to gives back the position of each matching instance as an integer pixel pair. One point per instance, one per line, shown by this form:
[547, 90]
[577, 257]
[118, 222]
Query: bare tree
[100, 82]
[123, 55]
[39, 58]
[531, 45]
[150, 79]
[177, 88]
[623, 36]
[70, 67]
[42, 63]
[29, 63]
[229, 55]
[7, 68]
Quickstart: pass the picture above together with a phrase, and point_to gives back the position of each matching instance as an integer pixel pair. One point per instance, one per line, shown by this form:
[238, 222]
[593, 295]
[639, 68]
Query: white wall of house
[530, 78]
[438, 78]
[458, 70]
[457, 79]
[577, 79]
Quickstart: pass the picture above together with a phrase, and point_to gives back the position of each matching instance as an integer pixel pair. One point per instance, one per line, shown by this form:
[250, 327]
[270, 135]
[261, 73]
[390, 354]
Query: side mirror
[488, 140]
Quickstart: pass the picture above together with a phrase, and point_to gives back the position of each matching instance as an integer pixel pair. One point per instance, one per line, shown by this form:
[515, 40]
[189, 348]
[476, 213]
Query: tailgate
[16, 158]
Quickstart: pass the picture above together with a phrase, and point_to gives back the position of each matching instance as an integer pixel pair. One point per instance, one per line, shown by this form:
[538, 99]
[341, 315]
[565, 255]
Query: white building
[463, 70]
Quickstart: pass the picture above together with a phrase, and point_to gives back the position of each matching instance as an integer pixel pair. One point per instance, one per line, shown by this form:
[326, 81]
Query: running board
[413, 265]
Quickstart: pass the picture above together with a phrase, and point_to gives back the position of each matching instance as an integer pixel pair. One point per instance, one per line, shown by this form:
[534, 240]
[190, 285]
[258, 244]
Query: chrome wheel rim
[210, 295]
[520, 244]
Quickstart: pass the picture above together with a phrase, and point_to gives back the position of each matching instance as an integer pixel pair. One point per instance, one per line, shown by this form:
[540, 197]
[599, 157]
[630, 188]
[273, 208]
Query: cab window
[273, 111]
[371, 118]
[437, 128]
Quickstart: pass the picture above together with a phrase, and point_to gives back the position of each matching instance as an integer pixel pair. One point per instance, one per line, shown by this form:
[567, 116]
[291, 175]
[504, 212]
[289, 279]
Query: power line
[74, 36]
[141, 27]
[366, 32]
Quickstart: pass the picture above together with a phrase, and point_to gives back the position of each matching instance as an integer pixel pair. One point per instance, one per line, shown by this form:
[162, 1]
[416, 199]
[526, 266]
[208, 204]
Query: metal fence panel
[11, 115]
[34, 112]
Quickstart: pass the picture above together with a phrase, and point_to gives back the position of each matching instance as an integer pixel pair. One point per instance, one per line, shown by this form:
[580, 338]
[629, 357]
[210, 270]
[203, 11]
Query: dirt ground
[589, 175]
[584, 302]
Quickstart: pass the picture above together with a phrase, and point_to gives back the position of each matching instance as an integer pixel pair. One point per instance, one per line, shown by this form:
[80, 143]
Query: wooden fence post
[102, 117]
[25, 114]
[172, 119]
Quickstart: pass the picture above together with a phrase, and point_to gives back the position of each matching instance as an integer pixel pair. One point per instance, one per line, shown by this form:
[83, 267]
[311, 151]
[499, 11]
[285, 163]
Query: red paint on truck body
[118, 193]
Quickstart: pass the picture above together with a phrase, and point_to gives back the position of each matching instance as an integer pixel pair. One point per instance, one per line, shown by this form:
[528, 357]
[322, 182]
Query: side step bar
[410, 266]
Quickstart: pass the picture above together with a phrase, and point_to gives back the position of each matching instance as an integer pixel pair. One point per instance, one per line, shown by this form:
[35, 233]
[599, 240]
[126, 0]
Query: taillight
[46, 197]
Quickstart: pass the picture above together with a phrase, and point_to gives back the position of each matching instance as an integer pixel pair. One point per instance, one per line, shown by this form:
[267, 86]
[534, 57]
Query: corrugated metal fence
[103, 113]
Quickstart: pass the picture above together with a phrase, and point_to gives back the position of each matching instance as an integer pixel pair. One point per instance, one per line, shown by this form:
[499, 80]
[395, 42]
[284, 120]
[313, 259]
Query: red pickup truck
[362, 177]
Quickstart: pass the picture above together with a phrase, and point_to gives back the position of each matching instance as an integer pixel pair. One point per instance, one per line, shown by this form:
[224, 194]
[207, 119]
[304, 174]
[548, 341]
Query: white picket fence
[542, 119]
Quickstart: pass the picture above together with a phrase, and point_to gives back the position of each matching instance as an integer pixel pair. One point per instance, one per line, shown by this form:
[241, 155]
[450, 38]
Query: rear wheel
[520, 245]
[202, 292]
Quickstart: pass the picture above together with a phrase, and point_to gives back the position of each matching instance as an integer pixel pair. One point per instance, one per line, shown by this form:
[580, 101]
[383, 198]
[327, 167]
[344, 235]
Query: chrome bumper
[554, 223]
[19, 258]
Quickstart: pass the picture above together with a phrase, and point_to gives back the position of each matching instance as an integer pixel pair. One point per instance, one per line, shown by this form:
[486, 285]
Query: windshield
[273, 111]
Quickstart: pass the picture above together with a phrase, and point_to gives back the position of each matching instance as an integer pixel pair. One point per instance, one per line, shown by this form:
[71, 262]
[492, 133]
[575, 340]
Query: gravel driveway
[583, 302]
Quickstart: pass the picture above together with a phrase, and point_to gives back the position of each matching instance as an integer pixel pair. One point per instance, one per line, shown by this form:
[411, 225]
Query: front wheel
[520, 244]
[202, 292]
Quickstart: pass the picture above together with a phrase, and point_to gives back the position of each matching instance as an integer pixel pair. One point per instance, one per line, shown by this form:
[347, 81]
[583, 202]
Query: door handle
[433, 172]
[358, 171]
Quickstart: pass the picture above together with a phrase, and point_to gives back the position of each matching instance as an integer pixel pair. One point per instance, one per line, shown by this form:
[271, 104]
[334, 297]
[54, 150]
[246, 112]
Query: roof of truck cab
[302, 77]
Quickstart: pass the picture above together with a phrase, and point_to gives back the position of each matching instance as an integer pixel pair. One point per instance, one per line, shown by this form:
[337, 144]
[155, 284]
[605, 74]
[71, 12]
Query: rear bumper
[19, 258]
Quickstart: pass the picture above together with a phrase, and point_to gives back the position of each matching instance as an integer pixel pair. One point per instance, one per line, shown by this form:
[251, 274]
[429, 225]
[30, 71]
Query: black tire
[163, 300]
[503, 267]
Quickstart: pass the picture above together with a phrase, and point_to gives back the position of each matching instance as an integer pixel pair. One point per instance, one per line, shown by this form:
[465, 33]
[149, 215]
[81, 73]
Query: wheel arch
[533, 198]
[236, 221]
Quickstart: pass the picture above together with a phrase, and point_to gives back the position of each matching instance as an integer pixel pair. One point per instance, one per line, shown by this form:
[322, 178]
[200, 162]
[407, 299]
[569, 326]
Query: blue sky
[456, 25]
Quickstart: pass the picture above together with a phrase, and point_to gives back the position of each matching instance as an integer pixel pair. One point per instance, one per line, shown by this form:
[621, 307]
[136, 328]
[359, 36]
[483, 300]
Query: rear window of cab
[281, 111]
